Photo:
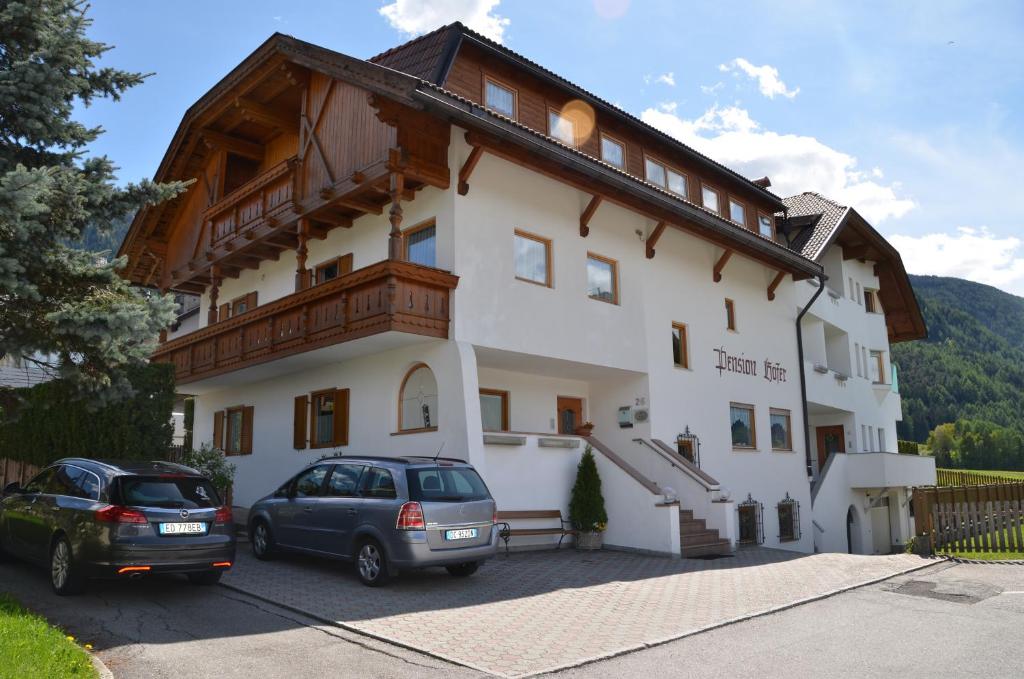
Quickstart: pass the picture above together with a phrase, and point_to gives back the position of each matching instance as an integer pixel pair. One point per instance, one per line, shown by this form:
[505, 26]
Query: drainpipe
[803, 376]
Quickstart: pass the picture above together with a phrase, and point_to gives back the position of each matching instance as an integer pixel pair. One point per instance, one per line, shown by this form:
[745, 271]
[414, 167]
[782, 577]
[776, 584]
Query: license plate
[461, 534]
[182, 528]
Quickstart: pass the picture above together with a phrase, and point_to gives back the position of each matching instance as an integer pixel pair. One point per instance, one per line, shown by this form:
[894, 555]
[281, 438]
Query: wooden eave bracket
[236, 145]
[775, 284]
[468, 167]
[720, 265]
[653, 239]
[265, 115]
[588, 214]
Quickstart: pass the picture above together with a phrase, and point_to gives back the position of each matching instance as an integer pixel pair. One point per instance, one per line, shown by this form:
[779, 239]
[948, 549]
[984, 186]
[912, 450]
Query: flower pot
[584, 430]
[589, 540]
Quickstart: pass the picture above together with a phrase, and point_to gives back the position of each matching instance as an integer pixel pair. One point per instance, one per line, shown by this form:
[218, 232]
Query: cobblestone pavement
[532, 612]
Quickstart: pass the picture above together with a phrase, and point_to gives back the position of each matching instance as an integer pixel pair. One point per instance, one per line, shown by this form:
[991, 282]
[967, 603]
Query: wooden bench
[506, 532]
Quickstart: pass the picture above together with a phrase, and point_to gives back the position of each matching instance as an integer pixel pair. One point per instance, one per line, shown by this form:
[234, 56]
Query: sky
[908, 111]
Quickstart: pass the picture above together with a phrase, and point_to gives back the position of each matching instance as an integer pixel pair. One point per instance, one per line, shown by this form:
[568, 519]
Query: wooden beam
[265, 115]
[362, 205]
[775, 284]
[588, 213]
[467, 169]
[236, 145]
[652, 240]
[720, 264]
[856, 251]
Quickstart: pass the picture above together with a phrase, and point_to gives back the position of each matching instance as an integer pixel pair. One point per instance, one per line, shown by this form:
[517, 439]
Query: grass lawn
[31, 647]
[1016, 476]
[988, 556]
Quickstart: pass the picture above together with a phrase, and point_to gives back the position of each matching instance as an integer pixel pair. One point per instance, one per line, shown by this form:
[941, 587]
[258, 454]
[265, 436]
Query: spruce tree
[62, 306]
[586, 505]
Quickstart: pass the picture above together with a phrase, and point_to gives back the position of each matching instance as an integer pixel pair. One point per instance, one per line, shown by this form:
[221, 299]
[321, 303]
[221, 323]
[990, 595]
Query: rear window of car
[177, 492]
[446, 484]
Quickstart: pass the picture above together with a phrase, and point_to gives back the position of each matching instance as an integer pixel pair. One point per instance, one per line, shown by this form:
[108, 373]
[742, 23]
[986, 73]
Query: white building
[448, 246]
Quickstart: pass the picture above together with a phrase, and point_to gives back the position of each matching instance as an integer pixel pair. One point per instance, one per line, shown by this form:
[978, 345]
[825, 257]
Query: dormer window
[561, 128]
[500, 98]
[709, 199]
[766, 226]
[665, 177]
[613, 152]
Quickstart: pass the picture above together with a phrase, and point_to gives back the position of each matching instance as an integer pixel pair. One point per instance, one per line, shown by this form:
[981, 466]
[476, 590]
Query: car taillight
[494, 517]
[410, 517]
[224, 517]
[119, 514]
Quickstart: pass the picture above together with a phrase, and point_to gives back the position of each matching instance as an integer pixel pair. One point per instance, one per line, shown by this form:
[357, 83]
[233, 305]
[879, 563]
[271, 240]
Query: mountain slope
[972, 364]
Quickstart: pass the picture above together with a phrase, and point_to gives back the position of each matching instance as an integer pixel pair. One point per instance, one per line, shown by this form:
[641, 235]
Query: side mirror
[13, 488]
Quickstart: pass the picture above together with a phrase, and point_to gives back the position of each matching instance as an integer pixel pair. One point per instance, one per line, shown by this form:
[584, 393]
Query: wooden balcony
[266, 199]
[383, 297]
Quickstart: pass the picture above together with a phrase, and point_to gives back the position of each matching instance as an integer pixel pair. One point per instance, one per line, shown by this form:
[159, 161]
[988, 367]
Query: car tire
[464, 570]
[262, 541]
[65, 577]
[204, 578]
[372, 564]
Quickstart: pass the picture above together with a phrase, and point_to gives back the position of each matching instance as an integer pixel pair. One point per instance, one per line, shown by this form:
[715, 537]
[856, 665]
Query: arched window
[417, 400]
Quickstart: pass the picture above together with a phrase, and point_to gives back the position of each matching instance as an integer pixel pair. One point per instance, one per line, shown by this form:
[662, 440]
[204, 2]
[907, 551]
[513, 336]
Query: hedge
[908, 447]
[45, 422]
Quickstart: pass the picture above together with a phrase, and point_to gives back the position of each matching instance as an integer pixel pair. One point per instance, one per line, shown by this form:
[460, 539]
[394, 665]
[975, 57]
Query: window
[741, 417]
[737, 212]
[233, 442]
[881, 440]
[494, 410]
[709, 198]
[310, 482]
[76, 482]
[41, 481]
[561, 128]
[532, 256]
[378, 483]
[237, 306]
[332, 268]
[864, 445]
[680, 350]
[856, 355]
[445, 484]
[327, 414]
[766, 226]
[781, 429]
[171, 492]
[655, 172]
[232, 430]
[877, 367]
[858, 297]
[344, 480]
[500, 98]
[665, 177]
[613, 152]
[869, 301]
[789, 519]
[751, 530]
[864, 359]
[602, 279]
[730, 314]
[417, 400]
[853, 294]
[421, 244]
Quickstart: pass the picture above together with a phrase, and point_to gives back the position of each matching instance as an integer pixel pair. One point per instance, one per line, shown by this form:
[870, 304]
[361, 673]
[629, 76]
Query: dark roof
[130, 466]
[811, 242]
[426, 55]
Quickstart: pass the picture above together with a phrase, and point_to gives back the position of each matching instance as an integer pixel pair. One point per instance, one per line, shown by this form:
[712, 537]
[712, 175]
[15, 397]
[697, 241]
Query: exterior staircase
[696, 539]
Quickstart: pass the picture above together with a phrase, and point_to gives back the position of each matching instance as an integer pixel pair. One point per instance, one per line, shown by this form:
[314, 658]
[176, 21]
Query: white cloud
[795, 163]
[416, 17]
[767, 77]
[665, 79]
[712, 89]
[972, 253]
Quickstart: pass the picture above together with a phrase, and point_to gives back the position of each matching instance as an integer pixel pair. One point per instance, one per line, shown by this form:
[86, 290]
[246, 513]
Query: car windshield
[176, 492]
[446, 484]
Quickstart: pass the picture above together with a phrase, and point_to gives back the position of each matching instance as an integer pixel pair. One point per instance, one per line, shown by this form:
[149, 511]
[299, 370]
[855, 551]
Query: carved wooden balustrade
[263, 200]
[386, 296]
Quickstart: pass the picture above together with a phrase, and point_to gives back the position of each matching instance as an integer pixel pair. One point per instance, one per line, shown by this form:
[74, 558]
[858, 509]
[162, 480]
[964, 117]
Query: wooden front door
[570, 414]
[830, 440]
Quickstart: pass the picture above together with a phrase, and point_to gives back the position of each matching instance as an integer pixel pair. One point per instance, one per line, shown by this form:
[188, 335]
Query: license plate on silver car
[461, 534]
[196, 528]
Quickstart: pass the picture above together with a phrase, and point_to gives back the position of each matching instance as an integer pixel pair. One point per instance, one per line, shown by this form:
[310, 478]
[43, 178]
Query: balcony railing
[265, 197]
[386, 296]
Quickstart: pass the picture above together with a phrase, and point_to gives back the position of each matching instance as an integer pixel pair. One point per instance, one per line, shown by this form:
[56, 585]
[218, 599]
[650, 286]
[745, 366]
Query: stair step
[692, 526]
[686, 515]
[708, 549]
[702, 538]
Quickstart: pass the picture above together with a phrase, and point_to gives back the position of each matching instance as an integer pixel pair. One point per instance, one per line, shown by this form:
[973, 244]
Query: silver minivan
[387, 514]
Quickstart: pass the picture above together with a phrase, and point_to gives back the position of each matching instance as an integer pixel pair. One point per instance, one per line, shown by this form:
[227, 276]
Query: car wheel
[64, 575]
[263, 547]
[205, 577]
[464, 570]
[371, 564]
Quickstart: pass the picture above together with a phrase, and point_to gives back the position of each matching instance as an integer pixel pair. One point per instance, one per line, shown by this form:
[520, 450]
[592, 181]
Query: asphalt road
[948, 620]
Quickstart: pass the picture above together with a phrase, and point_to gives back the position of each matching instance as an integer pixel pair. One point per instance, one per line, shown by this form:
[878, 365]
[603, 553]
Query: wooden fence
[971, 518]
[954, 477]
[11, 471]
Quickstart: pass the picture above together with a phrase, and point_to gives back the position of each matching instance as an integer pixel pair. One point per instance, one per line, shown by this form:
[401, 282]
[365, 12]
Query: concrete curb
[986, 562]
[101, 669]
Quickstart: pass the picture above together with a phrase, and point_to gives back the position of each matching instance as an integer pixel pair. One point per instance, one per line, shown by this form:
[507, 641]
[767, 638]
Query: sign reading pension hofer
[769, 370]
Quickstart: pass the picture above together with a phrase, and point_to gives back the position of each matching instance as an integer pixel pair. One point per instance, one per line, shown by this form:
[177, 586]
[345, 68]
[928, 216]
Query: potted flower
[585, 429]
[586, 506]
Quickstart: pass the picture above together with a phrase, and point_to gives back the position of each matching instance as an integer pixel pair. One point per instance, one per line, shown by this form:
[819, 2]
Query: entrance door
[570, 414]
[830, 440]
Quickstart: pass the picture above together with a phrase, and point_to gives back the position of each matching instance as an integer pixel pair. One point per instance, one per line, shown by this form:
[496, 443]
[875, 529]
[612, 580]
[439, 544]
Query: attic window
[766, 226]
[499, 98]
[709, 198]
[561, 128]
[665, 177]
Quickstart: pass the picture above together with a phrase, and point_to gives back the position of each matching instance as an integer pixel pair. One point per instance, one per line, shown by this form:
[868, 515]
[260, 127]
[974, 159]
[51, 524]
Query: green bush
[213, 465]
[586, 507]
[908, 447]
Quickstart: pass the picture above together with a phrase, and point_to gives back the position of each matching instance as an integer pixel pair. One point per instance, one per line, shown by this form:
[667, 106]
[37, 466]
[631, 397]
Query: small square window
[737, 212]
[602, 278]
[782, 438]
[613, 152]
[677, 183]
[680, 350]
[766, 226]
[654, 172]
[730, 314]
[532, 255]
[327, 272]
[709, 198]
[421, 244]
[561, 128]
[741, 419]
[494, 410]
[500, 98]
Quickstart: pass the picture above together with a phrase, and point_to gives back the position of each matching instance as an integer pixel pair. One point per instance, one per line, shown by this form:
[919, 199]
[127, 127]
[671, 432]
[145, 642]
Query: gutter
[803, 375]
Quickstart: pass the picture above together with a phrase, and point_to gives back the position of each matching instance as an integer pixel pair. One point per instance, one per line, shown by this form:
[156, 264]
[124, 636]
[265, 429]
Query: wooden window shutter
[341, 417]
[250, 301]
[245, 448]
[224, 311]
[345, 264]
[218, 429]
[299, 433]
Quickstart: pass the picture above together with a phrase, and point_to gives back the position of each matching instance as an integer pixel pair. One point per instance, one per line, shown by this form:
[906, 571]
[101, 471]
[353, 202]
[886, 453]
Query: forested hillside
[972, 364]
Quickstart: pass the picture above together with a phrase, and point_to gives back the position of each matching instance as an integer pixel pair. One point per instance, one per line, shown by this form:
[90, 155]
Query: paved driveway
[533, 612]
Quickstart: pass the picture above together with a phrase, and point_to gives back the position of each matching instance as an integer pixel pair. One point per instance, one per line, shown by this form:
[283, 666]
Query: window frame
[666, 168]
[781, 412]
[732, 200]
[339, 260]
[718, 192]
[615, 278]
[877, 357]
[240, 409]
[416, 228]
[870, 301]
[487, 77]
[684, 345]
[548, 258]
[753, 426]
[505, 411]
[313, 396]
[575, 133]
[615, 140]
[401, 397]
[771, 222]
[730, 315]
